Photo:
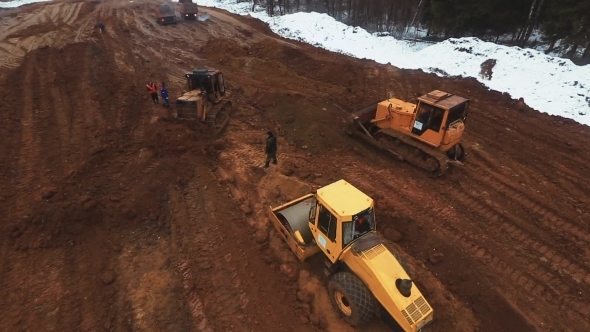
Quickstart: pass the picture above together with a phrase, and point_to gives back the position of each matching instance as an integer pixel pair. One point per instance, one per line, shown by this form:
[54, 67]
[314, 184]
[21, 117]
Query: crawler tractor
[427, 134]
[205, 99]
[367, 278]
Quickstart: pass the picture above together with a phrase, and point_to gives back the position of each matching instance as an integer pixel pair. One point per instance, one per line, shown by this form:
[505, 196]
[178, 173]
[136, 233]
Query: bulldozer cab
[435, 113]
[340, 215]
[209, 81]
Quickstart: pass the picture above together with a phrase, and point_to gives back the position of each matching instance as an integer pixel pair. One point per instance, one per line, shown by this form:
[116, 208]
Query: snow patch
[18, 3]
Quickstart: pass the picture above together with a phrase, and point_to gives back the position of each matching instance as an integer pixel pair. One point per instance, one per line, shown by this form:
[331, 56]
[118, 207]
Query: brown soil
[115, 219]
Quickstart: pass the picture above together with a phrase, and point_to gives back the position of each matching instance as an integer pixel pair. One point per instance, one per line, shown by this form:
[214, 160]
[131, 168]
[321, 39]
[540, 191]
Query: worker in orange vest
[153, 90]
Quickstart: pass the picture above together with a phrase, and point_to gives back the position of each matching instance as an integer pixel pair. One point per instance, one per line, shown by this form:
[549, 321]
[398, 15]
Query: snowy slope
[549, 84]
[18, 3]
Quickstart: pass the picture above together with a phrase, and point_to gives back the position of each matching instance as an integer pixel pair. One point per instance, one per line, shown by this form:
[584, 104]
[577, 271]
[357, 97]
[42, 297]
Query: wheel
[351, 298]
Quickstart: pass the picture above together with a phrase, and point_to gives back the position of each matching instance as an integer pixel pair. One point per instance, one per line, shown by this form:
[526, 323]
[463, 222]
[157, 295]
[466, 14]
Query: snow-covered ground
[549, 84]
[18, 3]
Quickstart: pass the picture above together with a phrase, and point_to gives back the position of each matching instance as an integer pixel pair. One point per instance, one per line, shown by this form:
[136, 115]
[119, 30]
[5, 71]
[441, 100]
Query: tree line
[512, 22]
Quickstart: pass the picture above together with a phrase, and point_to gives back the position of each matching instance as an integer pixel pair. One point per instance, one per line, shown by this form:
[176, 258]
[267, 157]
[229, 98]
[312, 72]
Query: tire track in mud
[48, 129]
[533, 135]
[532, 199]
[61, 16]
[565, 187]
[492, 222]
[195, 304]
[546, 268]
[548, 218]
[46, 288]
[538, 163]
[29, 151]
[75, 107]
[217, 280]
[549, 287]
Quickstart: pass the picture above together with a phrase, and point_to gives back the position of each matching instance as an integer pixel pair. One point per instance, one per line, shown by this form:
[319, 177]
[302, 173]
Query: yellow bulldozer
[427, 134]
[205, 99]
[367, 278]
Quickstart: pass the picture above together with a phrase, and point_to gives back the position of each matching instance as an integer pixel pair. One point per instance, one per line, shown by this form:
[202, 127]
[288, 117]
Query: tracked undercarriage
[403, 147]
[217, 117]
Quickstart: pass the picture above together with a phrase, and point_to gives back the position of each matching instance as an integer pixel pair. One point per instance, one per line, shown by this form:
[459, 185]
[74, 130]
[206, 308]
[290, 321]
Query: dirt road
[115, 220]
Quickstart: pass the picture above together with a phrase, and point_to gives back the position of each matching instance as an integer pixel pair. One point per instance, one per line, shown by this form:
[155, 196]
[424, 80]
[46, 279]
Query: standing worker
[271, 149]
[153, 90]
[101, 27]
[164, 93]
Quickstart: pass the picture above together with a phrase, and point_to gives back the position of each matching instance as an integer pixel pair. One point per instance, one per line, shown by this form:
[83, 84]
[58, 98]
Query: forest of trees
[505, 21]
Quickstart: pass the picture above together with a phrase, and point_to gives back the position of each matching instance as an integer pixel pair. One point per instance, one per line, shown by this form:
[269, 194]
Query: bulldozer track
[548, 219]
[224, 303]
[495, 223]
[563, 187]
[193, 300]
[219, 115]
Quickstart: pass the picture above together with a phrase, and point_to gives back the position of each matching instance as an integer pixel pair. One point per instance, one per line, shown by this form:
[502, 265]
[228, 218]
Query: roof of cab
[344, 199]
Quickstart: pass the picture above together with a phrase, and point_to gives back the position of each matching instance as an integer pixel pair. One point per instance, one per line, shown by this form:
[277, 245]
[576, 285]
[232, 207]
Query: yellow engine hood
[379, 269]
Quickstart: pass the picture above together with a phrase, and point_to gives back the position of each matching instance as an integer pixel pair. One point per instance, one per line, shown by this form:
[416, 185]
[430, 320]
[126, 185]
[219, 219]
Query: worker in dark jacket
[271, 149]
[164, 94]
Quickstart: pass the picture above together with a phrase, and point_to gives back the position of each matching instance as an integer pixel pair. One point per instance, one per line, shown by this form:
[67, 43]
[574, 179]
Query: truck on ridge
[165, 14]
[188, 9]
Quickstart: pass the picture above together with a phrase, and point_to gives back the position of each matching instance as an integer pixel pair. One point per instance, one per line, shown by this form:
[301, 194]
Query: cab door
[428, 124]
[325, 231]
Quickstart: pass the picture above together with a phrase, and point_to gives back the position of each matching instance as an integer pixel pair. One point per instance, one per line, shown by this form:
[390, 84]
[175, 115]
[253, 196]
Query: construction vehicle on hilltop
[427, 134]
[165, 14]
[188, 9]
[367, 277]
[205, 99]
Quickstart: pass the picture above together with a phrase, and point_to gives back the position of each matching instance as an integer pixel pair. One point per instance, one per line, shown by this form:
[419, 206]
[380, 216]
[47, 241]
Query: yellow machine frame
[367, 257]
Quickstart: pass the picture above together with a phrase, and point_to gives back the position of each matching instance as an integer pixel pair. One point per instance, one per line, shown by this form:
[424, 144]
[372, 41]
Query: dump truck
[427, 134]
[205, 99]
[165, 14]
[188, 9]
[367, 277]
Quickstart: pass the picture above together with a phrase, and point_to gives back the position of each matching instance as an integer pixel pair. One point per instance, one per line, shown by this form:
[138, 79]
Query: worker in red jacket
[153, 90]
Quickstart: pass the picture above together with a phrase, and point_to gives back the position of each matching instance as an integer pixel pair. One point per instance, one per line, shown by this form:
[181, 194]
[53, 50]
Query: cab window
[456, 113]
[361, 224]
[429, 117]
[327, 223]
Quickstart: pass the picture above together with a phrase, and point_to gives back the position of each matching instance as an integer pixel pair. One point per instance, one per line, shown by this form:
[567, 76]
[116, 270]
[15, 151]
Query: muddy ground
[115, 220]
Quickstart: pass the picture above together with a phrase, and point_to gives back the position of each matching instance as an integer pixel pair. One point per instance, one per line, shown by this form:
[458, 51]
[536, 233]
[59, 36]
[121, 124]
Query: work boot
[266, 165]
